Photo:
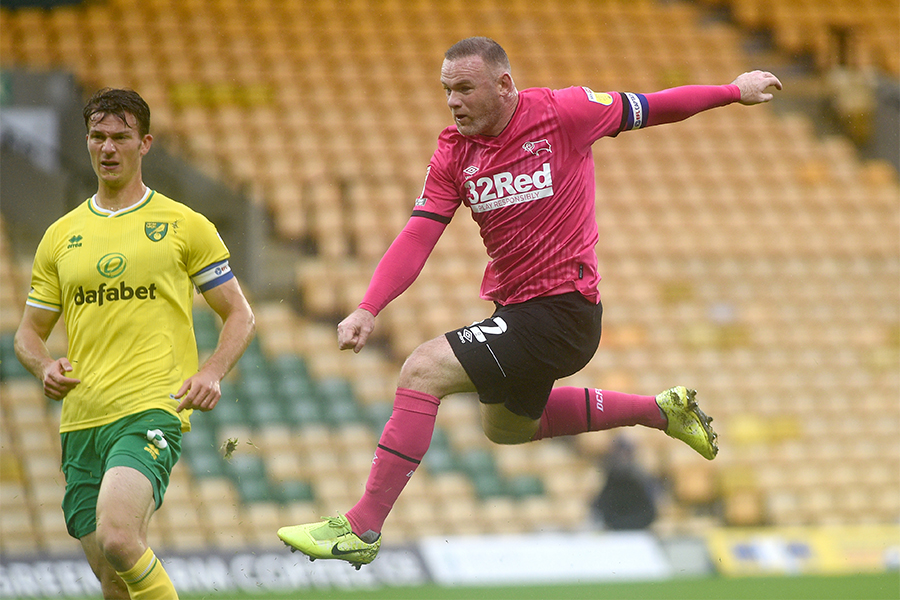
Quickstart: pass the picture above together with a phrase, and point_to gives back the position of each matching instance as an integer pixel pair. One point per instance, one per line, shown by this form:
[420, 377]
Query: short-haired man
[522, 163]
[122, 268]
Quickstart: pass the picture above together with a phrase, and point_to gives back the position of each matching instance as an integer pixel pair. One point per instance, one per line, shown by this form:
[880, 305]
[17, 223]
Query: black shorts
[516, 356]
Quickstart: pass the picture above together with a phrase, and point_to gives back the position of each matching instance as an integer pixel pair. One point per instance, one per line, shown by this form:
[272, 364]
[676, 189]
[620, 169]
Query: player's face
[474, 95]
[116, 148]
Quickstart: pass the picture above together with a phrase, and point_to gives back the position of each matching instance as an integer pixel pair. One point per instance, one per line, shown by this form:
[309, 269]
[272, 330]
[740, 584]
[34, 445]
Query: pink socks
[571, 411]
[407, 435]
[403, 443]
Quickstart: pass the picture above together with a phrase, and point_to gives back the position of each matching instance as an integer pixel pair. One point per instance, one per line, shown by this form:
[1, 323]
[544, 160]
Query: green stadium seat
[291, 387]
[338, 403]
[256, 385]
[254, 360]
[525, 486]
[440, 457]
[377, 415]
[479, 465]
[248, 472]
[304, 411]
[289, 491]
[10, 367]
[205, 462]
[296, 390]
[254, 490]
[440, 460]
[440, 439]
[202, 435]
[230, 411]
[478, 461]
[342, 412]
[335, 389]
[262, 405]
[290, 365]
[488, 485]
[265, 411]
[206, 330]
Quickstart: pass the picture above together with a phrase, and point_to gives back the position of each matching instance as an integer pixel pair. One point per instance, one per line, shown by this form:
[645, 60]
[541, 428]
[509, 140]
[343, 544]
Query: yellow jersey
[124, 282]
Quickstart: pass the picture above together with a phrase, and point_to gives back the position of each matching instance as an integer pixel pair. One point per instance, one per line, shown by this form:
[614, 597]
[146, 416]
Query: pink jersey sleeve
[591, 115]
[434, 208]
[441, 194]
[588, 115]
[402, 262]
[679, 103]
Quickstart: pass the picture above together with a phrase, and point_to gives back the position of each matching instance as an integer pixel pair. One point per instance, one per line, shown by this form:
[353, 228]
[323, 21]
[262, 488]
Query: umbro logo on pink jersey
[470, 170]
[537, 147]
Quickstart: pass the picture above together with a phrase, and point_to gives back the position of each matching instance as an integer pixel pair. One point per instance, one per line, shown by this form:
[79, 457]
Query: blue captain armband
[212, 276]
[635, 111]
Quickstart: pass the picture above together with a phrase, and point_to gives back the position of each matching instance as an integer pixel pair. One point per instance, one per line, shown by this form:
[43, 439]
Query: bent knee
[417, 368]
[502, 426]
[120, 547]
[434, 369]
[115, 547]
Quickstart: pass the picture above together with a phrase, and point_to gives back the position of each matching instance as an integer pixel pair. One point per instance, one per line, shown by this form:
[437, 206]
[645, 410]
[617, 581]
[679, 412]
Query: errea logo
[74, 242]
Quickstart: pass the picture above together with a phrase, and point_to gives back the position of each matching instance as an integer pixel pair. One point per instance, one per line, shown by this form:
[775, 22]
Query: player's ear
[146, 142]
[505, 84]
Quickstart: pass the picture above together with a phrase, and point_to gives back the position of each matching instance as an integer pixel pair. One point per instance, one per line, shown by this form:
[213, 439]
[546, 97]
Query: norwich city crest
[156, 231]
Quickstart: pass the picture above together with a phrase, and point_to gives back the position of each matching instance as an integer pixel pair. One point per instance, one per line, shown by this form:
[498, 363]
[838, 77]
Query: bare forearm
[32, 352]
[237, 331]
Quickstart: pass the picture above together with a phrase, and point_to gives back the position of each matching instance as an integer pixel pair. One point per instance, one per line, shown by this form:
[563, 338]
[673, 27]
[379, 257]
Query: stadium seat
[206, 330]
[10, 367]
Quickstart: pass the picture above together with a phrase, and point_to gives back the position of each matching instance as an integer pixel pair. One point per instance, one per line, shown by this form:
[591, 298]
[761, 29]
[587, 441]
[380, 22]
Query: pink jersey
[531, 190]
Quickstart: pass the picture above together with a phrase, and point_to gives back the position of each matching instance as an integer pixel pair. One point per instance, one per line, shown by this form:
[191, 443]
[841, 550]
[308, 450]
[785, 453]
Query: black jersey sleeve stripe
[432, 216]
[626, 109]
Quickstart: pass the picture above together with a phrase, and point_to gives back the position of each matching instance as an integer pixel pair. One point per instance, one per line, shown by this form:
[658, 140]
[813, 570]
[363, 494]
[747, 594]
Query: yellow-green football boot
[687, 422]
[330, 538]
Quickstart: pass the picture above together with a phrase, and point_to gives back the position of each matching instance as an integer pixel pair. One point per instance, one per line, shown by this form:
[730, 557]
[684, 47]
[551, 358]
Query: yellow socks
[148, 580]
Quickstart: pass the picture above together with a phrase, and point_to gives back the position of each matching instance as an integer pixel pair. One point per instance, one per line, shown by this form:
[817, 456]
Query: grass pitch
[838, 587]
[868, 587]
[880, 586]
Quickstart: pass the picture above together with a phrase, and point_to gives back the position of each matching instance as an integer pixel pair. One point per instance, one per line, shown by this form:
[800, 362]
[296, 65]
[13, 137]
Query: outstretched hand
[355, 329]
[753, 86]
